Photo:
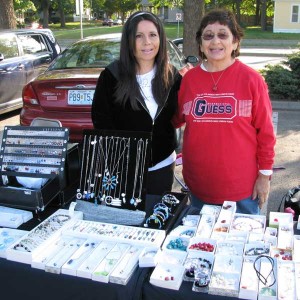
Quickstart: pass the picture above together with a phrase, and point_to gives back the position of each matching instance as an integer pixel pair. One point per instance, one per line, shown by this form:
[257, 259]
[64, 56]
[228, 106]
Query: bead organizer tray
[116, 233]
[40, 237]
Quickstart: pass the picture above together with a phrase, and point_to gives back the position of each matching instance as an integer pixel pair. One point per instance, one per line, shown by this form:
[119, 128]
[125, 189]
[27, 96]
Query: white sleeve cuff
[266, 172]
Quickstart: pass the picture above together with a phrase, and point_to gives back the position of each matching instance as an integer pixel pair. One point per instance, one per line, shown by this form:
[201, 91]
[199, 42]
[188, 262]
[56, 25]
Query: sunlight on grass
[72, 31]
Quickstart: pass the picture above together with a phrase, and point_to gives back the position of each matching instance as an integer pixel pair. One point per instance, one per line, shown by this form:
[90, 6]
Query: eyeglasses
[210, 36]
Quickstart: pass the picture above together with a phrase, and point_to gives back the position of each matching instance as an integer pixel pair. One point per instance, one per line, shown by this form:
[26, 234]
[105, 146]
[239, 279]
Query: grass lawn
[72, 31]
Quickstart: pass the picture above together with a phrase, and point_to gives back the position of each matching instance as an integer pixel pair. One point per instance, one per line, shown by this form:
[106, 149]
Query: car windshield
[88, 54]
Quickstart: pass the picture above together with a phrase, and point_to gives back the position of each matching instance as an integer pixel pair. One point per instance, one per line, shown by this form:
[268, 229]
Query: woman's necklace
[215, 86]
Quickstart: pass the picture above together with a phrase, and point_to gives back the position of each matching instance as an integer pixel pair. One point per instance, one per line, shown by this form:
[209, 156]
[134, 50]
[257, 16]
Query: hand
[261, 189]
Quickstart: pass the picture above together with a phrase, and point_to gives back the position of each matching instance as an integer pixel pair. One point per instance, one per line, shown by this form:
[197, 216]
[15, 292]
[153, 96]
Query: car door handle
[20, 66]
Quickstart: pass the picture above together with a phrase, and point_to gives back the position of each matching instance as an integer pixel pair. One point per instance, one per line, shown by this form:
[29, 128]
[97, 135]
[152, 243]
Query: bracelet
[162, 207]
[170, 199]
[257, 251]
[157, 222]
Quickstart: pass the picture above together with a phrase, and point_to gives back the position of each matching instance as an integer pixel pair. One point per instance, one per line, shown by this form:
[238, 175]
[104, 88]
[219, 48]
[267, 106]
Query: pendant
[214, 88]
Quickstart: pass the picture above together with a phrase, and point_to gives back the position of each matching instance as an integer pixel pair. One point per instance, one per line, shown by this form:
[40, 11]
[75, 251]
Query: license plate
[78, 97]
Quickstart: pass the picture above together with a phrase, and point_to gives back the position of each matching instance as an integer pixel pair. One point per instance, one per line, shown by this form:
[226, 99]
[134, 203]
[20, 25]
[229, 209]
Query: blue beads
[177, 244]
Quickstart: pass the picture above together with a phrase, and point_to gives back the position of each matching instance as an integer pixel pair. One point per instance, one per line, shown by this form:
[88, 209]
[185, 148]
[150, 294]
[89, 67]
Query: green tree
[120, 6]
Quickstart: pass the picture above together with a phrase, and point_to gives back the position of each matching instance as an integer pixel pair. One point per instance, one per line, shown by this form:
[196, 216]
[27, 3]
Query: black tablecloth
[20, 281]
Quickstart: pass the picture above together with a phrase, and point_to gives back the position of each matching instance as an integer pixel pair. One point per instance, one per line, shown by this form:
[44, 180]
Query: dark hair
[127, 88]
[226, 18]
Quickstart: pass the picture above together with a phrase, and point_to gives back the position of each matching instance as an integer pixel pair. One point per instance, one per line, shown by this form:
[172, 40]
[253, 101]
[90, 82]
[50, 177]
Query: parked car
[65, 91]
[117, 22]
[107, 22]
[24, 54]
[179, 43]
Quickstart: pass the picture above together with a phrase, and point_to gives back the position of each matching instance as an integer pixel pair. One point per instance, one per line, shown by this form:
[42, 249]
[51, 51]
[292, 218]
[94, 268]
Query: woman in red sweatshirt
[228, 144]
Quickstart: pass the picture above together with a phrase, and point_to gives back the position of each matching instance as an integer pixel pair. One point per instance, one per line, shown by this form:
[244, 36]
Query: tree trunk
[193, 12]
[257, 12]
[62, 14]
[263, 15]
[238, 11]
[45, 7]
[7, 15]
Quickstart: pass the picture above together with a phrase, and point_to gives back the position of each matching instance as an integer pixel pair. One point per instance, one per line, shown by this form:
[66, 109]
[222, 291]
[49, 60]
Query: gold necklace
[215, 86]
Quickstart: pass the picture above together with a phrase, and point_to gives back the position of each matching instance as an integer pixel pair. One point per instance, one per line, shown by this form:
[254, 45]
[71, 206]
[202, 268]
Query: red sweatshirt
[229, 134]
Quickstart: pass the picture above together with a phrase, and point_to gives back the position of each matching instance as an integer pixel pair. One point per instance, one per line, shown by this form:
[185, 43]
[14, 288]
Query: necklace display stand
[33, 152]
[114, 168]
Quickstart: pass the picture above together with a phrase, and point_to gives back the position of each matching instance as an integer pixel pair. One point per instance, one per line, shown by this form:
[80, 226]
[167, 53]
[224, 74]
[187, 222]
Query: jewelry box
[224, 284]
[55, 264]
[285, 235]
[270, 236]
[230, 248]
[228, 263]
[281, 254]
[249, 280]
[73, 263]
[297, 279]
[199, 244]
[168, 257]
[296, 252]
[126, 267]
[148, 257]
[276, 217]
[35, 155]
[205, 225]
[40, 260]
[110, 262]
[14, 217]
[286, 286]
[191, 220]
[198, 262]
[167, 276]
[249, 223]
[210, 210]
[267, 268]
[175, 243]
[183, 231]
[87, 268]
[255, 249]
[238, 236]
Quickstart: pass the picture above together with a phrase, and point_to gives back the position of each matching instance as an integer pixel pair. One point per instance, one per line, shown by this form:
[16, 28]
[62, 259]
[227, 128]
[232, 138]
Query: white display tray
[9, 236]
[72, 264]
[91, 263]
[144, 237]
[110, 262]
[41, 236]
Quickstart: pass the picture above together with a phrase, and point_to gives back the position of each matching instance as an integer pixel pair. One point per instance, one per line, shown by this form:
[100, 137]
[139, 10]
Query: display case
[34, 155]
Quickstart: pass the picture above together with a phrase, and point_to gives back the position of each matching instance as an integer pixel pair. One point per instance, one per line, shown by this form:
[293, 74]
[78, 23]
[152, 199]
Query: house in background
[286, 16]
[166, 14]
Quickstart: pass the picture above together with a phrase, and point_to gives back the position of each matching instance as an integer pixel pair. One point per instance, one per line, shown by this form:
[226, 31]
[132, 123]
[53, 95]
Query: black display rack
[114, 168]
[38, 152]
